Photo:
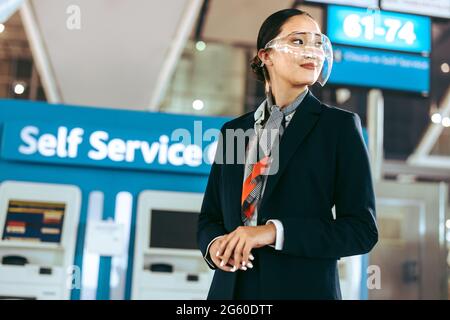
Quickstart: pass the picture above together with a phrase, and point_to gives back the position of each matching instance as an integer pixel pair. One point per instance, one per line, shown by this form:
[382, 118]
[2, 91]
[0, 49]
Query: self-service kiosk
[168, 264]
[112, 156]
[38, 224]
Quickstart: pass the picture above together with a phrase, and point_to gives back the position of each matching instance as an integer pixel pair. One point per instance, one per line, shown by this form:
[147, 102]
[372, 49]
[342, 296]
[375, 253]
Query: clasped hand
[232, 251]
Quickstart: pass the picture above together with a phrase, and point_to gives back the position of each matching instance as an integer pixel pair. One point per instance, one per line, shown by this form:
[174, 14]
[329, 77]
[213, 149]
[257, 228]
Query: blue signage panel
[379, 29]
[380, 69]
[181, 145]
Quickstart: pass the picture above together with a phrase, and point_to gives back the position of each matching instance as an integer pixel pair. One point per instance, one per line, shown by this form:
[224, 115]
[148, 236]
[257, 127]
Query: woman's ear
[264, 56]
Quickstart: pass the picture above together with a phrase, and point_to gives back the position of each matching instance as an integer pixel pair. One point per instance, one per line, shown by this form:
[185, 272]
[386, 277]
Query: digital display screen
[173, 229]
[34, 221]
[379, 29]
[382, 69]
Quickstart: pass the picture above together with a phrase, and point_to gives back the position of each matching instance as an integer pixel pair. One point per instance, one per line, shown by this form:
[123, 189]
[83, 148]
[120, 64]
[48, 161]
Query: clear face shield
[307, 47]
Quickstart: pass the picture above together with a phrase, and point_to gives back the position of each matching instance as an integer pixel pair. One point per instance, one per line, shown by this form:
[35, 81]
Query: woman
[267, 225]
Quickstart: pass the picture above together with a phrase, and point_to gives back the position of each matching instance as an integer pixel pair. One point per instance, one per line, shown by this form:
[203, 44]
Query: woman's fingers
[226, 268]
[214, 248]
[234, 250]
[223, 244]
[228, 251]
[247, 256]
[231, 262]
[238, 255]
[217, 261]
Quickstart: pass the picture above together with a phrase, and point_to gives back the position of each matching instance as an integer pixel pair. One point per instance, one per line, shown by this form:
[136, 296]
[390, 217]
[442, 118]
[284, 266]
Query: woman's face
[282, 67]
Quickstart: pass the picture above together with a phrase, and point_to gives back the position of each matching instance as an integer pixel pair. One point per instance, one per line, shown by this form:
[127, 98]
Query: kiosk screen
[173, 229]
[34, 221]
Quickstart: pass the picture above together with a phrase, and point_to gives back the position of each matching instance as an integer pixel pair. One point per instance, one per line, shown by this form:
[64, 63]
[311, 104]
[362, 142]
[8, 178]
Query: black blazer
[323, 163]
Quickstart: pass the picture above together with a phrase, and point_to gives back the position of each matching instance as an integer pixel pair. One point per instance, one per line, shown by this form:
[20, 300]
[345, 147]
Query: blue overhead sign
[380, 69]
[379, 29]
[182, 144]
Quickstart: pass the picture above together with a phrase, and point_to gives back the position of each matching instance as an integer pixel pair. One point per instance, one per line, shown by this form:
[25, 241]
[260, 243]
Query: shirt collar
[261, 110]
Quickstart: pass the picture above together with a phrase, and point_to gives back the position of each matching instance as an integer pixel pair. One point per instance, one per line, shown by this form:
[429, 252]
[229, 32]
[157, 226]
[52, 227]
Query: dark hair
[270, 28]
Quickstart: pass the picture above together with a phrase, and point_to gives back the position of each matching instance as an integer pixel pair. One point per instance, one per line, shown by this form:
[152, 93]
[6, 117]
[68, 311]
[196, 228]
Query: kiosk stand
[38, 224]
[168, 264]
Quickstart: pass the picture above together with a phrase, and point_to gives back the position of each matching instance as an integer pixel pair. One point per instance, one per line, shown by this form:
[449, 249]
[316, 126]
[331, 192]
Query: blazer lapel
[301, 124]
